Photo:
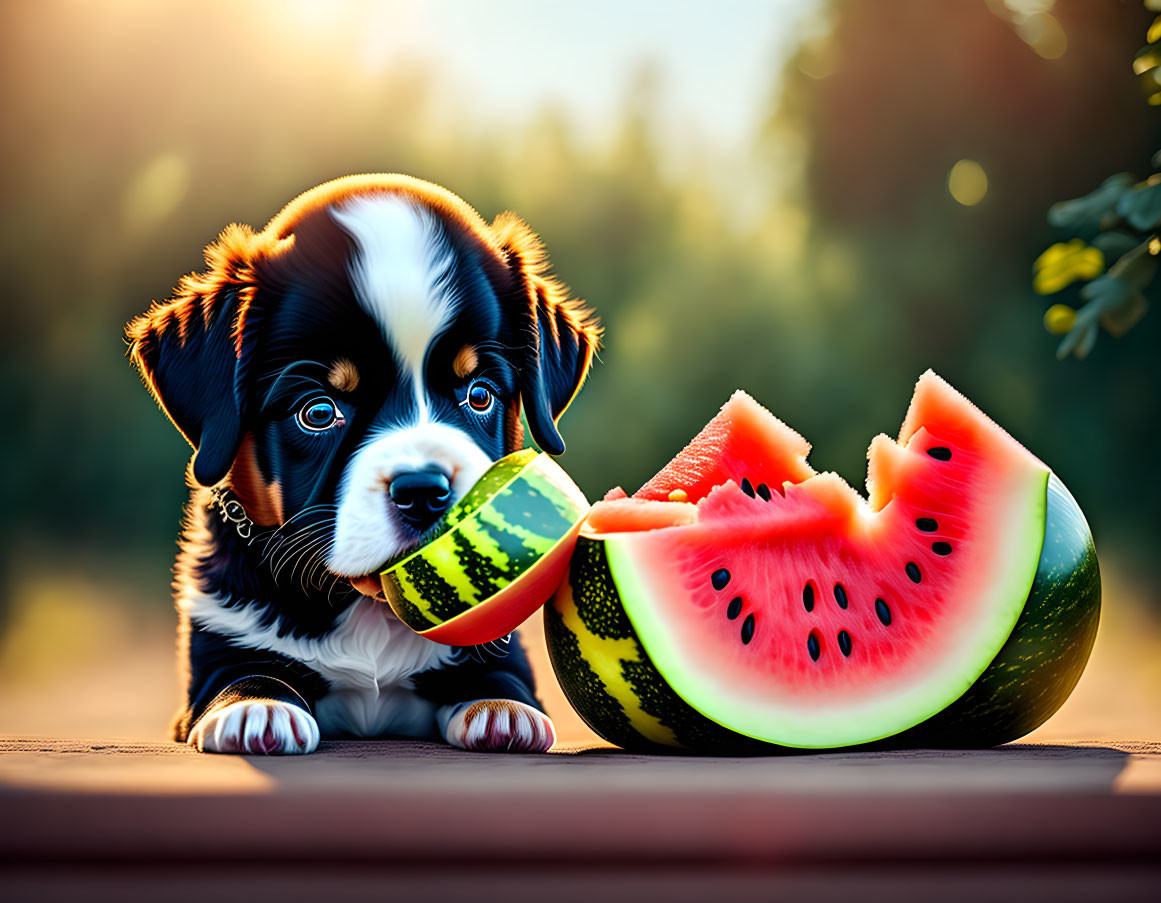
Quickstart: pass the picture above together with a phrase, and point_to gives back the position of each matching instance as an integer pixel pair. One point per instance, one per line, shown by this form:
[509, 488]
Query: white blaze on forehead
[399, 276]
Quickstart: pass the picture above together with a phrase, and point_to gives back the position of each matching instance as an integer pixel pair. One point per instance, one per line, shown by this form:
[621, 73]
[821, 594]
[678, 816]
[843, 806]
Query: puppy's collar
[232, 512]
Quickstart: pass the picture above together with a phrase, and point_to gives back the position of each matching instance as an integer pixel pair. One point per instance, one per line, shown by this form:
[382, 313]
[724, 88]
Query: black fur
[245, 348]
[222, 672]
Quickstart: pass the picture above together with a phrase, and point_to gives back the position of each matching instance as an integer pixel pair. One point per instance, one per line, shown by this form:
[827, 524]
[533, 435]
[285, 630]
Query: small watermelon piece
[743, 438]
[956, 605]
[494, 558]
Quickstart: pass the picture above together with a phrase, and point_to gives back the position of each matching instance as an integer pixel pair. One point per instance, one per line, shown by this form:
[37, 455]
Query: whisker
[302, 542]
[307, 530]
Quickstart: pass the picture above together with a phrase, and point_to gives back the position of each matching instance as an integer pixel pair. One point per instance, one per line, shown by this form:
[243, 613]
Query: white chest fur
[367, 659]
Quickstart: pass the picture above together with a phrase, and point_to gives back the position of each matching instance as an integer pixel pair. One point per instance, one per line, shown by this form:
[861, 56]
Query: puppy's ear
[194, 352]
[561, 335]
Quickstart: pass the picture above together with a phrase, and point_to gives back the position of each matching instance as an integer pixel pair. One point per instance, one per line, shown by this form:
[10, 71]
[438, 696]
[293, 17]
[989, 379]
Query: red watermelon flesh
[785, 606]
[743, 438]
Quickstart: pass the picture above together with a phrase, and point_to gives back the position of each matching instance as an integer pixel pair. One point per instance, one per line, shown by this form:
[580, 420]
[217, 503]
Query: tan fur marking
[262, 500]
[465, 361]
[490, 705]
[343, 376]
[513, 428]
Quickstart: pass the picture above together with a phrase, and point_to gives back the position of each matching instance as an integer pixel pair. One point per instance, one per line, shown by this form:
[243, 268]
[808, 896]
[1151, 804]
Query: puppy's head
[355, 366]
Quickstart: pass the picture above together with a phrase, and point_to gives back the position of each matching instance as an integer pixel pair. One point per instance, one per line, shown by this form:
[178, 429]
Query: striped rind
[525, 505]
[610, 680]
[494, 479]
[606, 674]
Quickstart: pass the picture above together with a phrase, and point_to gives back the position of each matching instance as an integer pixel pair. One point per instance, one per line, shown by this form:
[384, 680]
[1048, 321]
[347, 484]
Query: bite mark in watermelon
[783, 606]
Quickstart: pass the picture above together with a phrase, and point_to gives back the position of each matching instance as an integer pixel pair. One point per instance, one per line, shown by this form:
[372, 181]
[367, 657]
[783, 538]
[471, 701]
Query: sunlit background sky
[714, 63]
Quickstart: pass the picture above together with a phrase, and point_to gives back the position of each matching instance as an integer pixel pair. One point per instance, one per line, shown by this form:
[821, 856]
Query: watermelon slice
[956, 605]
[494, 558]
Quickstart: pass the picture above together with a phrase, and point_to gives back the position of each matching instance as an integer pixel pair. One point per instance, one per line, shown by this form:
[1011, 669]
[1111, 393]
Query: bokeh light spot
[967, 182]
[817, 59]
[1045, 35]
[156, 190]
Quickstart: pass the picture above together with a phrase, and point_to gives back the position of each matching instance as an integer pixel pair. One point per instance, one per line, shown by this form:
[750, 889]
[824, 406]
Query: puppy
[344, 376]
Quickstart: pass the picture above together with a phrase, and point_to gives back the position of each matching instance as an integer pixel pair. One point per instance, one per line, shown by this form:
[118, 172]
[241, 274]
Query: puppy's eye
[480, 397]
[320, 414]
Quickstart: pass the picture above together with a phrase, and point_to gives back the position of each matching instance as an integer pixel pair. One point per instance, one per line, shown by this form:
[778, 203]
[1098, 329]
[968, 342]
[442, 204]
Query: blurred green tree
[1114, 225]
[822, 272]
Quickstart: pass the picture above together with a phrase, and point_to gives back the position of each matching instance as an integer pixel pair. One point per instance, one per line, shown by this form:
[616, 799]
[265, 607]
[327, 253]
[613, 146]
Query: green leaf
[1087, 215]
[1117, 300]
[1082, 337]
[1115, 243]
[1106, 292]
[1134, 270]
[1141, 206]
[1121, 319]
[1079, 342]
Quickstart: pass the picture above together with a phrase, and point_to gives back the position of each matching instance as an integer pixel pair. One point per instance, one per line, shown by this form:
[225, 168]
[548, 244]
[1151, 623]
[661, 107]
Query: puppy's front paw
[260, 726]
[500, 725]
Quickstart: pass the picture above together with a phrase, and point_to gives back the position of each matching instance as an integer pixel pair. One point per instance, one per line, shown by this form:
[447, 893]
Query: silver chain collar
[232, 512]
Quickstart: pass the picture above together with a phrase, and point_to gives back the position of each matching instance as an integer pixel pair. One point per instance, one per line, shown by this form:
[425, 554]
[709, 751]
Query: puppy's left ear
[561, 335]
[194, 353]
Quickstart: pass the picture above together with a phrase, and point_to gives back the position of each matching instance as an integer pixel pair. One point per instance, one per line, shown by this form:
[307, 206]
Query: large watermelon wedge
[956, 605]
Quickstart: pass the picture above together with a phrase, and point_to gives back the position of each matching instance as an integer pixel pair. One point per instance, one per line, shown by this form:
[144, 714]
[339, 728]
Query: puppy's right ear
[194, 352]
[560, 335]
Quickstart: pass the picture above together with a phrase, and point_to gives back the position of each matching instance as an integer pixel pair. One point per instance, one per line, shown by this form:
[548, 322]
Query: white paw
[259, 726]
[500, 725]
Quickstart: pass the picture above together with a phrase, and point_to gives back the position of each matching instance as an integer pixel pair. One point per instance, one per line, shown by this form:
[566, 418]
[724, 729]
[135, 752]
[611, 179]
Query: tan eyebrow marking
[343, 375]
[465, 361]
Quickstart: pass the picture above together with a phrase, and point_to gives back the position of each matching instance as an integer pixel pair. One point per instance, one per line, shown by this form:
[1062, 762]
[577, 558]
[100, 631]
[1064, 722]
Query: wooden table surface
[98, 820]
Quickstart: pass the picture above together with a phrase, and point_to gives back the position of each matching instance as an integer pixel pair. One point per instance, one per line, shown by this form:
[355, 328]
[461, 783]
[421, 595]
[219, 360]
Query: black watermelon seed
[748, 628]
[840, 595]
[813, 647]
[764, 492]
[845, 642]
[808, 597]
[735, 608]
[747, 487]
[883, 612]
[940, 453]
[913, 572]
[941, 548]
[720, 578]
[927, 524]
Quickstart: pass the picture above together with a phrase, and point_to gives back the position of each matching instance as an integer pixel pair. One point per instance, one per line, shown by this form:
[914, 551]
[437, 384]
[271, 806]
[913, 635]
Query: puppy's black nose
[421, 497]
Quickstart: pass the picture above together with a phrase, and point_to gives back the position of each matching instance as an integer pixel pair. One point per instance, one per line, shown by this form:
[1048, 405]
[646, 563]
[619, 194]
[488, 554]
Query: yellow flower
[1059, 319]
[1064, 263]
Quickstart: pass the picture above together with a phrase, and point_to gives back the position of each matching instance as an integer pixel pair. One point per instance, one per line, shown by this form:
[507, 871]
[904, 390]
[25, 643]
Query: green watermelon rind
[606, 675]
[876, 717]
[1041, 662]
[448, 575]
[487, 487]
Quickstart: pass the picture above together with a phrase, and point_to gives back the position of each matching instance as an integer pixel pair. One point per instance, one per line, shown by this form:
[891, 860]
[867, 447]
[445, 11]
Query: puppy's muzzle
[420, 497]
